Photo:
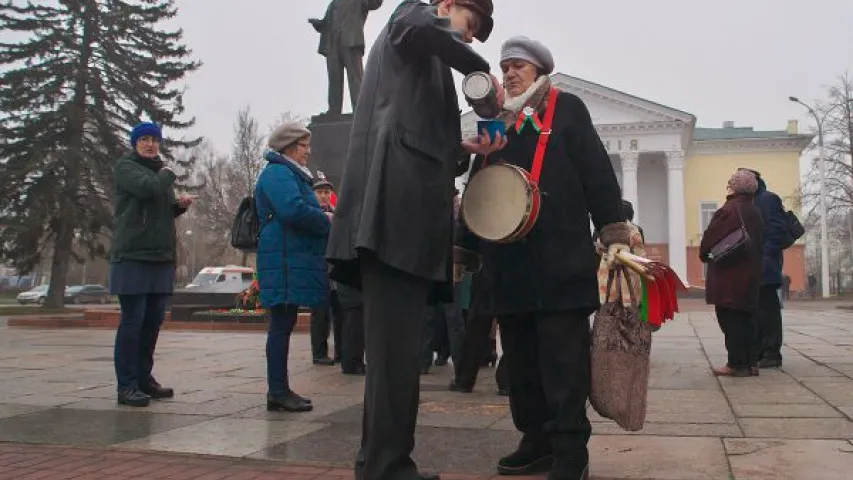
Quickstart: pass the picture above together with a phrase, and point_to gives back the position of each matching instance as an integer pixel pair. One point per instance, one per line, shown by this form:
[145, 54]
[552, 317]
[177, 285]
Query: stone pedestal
[329, 142]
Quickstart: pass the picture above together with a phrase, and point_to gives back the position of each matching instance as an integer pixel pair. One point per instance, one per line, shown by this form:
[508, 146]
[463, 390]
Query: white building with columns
[651, 146]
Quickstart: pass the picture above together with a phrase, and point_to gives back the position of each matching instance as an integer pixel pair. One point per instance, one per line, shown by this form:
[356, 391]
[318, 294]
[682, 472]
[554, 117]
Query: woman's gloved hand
[616, 238]
[612, 250]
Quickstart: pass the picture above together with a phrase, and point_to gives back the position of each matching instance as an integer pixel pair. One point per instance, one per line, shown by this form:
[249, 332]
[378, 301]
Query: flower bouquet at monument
[660, 287]
[250, 298]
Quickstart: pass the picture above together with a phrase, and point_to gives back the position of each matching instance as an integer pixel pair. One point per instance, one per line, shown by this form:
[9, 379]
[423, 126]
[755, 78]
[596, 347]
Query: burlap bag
[621, 345]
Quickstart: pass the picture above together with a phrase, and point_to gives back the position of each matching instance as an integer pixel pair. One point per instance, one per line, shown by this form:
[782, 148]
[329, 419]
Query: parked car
[36, 295]
[228, 279]
[87, 294]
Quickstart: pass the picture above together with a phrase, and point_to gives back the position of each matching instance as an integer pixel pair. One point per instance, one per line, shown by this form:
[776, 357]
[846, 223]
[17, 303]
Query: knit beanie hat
[145, 129]
[743, 182]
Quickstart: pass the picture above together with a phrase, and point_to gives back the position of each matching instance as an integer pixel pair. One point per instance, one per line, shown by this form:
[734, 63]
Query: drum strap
[536, 169]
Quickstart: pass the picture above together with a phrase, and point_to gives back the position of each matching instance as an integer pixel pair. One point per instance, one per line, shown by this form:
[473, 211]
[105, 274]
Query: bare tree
[217, 202]
[247, 157]
[288, 117]
[837, 114]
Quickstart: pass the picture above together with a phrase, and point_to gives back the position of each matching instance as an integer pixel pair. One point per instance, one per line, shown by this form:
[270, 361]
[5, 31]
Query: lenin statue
[342, 43]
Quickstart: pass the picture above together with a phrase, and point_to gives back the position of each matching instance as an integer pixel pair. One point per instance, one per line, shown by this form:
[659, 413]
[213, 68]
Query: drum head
[495, 202]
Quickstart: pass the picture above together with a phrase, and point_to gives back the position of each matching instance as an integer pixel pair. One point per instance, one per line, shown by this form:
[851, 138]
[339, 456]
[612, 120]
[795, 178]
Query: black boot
[300, 397]
[289, 402]
[155, 390]
[133, 397]
[572, 466]
[533, 455]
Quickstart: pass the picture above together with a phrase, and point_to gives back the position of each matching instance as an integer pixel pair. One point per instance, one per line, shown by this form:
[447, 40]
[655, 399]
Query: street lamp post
[824, 229]
[189, 233]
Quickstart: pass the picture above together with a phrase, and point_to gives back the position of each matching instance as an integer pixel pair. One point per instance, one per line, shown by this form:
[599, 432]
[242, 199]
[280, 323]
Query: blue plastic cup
[494, 127]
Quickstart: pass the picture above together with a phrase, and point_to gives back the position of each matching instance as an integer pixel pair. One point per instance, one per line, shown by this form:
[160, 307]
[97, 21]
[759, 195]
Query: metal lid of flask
[477, 86]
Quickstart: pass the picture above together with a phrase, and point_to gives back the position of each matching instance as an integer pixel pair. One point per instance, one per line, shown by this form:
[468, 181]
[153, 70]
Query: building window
[706, 213]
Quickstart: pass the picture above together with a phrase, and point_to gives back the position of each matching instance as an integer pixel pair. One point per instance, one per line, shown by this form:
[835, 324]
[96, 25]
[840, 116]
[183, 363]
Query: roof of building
[737, 133]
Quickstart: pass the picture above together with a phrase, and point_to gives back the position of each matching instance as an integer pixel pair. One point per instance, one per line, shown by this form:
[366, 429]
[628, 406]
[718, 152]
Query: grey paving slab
[89, 428]
[775, 459]
[798, 428]
[460, 450]
[659, 458]
[233, 437]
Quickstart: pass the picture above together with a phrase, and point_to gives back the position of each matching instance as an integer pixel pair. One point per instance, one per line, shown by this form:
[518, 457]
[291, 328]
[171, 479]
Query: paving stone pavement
[58, 411]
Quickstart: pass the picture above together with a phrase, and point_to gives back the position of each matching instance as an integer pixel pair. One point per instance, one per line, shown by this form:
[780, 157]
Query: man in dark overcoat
[342, 43]
[392, 233]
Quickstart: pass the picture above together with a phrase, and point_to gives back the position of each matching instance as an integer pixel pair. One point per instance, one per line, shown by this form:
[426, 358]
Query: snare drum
[500, 203]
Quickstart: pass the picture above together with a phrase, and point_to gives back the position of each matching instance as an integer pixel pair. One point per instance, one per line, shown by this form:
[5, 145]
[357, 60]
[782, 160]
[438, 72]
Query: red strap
[544, 134]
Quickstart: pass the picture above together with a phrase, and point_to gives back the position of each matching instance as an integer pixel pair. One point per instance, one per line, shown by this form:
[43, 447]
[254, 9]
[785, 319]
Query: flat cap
[529, 50]
[320, 181]
[286, 135]
[485, 9]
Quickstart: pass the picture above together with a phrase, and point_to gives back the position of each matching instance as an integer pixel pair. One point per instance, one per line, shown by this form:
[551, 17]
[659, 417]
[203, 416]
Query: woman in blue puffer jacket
[291, 248]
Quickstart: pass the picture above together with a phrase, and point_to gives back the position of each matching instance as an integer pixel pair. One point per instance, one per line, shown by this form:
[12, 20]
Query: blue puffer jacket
[775, 233]
[292, 243]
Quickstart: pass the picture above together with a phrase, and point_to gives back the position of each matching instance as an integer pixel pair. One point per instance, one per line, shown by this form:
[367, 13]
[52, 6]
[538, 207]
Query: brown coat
[734, 283]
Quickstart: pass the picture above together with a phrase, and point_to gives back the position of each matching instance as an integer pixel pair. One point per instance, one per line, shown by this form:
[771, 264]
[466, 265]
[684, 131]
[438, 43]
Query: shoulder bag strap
[544, 135]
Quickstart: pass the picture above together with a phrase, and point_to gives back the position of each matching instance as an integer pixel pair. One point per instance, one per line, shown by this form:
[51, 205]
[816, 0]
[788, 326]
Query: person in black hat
[392, 234]
[328, 317]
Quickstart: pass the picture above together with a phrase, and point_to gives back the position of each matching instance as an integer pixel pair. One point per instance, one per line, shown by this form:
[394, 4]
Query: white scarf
[515, 104]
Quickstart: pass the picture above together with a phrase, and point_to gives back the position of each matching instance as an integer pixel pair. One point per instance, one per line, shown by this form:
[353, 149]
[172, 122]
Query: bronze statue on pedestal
[342, 43]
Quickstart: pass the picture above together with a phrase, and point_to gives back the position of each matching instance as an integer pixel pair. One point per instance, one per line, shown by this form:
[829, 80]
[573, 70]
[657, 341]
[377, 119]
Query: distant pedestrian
[732, 284]
[776, 235]
[142, 268]
[291, 268]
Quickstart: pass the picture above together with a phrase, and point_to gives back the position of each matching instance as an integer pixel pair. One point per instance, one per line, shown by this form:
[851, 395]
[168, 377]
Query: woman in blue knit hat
[142, 270]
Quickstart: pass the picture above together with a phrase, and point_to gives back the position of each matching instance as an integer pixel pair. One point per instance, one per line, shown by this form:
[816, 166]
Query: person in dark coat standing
[543, 288]
[328, 317]
[292, 270]
[776, 236]
[392, 230]
[732, 283]
[342, 43]
[142, 268]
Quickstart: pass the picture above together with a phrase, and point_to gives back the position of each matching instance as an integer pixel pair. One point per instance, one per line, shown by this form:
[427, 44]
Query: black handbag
[731, 245]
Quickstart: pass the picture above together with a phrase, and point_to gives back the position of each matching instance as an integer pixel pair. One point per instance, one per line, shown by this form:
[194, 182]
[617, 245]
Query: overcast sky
[719, 60]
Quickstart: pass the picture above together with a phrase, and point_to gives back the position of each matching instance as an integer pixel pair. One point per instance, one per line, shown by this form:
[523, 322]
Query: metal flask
[481, 95]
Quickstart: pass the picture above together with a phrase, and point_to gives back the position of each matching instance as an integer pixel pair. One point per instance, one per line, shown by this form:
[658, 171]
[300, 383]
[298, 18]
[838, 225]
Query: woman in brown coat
[732, 283]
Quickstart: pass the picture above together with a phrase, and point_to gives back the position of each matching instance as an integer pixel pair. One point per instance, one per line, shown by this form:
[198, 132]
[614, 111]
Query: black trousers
[352, 336]
[442, 320]
[323, 320]
[548, 361]
[769, 320]
[475, 346]
[394, 303]
[738, 327]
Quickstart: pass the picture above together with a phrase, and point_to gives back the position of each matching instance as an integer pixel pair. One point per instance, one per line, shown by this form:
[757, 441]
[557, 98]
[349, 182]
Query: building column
[675, 203]
[630, 192]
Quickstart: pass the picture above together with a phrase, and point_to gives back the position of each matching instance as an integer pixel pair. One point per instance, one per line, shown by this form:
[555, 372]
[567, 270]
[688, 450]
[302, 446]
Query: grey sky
[722, 60]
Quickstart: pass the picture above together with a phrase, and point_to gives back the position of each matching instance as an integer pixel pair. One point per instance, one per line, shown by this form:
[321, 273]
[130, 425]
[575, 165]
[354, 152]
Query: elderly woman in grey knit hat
[291, 267]
[543, 289]
[732, 282]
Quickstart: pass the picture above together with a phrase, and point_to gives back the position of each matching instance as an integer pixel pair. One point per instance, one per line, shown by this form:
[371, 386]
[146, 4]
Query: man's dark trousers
[324, 319]
[769, 324]
[394, 303]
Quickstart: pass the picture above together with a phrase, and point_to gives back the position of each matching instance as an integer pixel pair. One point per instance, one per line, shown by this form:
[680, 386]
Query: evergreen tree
[81, 75]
